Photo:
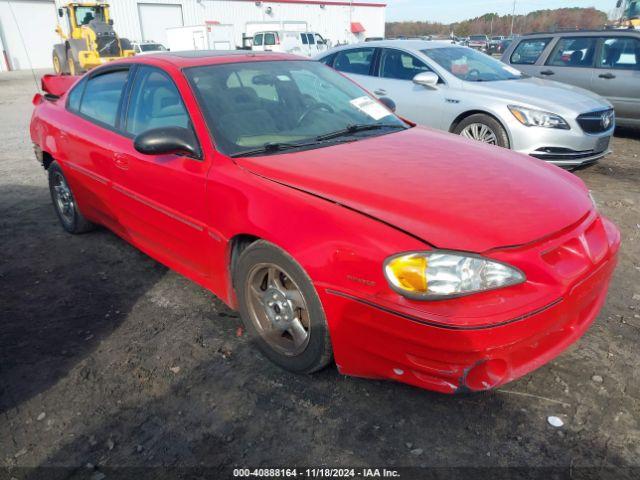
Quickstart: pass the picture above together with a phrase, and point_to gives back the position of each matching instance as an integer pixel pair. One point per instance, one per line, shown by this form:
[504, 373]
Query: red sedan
[338, 230]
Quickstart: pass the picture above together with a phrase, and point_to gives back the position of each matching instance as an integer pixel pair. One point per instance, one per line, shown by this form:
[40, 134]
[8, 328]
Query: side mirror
[427, 79]
[168, 140]
[60, 13]
[111, 22]
[387, 102]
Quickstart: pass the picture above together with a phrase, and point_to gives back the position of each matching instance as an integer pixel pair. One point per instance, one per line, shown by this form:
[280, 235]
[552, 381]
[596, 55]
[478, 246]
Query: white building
[27, 26]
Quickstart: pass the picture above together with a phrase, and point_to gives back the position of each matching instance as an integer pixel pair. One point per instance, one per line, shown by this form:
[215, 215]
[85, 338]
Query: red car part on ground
[341, 211]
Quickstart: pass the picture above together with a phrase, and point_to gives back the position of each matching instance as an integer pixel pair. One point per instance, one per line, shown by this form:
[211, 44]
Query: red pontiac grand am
[338, 230]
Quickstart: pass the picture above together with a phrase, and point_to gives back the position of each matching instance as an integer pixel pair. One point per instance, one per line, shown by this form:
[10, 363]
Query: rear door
[617, 74]
[572, 61]
[529, 54]
[160, 198]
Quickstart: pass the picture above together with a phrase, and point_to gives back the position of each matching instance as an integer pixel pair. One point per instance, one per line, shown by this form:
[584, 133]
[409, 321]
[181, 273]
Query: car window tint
[328, 60]
[75, 95]
[311, 39]
[102, 96]
[269, 38]
[528, 51]
[621, 53]
[257, 40]
[400, 65]
[573, 52]
[305, 40]
[155, 102]
[356, 61]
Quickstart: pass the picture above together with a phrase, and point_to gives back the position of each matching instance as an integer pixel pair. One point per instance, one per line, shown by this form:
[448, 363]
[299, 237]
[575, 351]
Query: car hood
[450, 192]
[542, 94]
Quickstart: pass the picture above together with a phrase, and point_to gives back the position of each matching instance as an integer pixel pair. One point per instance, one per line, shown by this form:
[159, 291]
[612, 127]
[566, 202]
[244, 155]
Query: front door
[617, 75]
[395, 80]
[160, 198]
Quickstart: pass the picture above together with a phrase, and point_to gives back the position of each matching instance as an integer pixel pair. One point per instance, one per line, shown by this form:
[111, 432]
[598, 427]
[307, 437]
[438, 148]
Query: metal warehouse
[27, 27]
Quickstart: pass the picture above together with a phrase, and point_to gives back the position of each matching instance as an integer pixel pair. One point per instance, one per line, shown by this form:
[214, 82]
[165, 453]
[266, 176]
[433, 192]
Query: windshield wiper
[355, 128]
[274, 147]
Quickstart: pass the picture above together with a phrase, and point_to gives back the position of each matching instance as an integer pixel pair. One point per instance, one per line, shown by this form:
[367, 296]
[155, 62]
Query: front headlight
[441, 274]
[538, 118]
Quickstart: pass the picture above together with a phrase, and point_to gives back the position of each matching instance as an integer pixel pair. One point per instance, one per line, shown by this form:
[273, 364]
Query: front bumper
[374, 340]
[566, 148]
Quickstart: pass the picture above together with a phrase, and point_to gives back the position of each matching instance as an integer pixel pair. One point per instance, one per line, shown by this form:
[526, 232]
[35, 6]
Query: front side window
[155, 102]
[84, 15]
[269, 39]
[400, 65]
[102, 96]
[357, 61]
[573, 52]
[471, 65]
[305, 40]
[528, 51]
[620, 53]
[291, 102]
[257, 40]
[311, 39]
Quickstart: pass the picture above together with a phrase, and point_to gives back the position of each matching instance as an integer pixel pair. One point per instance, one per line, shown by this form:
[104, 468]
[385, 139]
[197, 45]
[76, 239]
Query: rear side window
[357, 61]
[312, 40]
[620, 53]
[257, 40]
[528, 51]
[102, 97]
[269, 38]
[155, 103]
[573, 52]
[75, 95]
[305, 40]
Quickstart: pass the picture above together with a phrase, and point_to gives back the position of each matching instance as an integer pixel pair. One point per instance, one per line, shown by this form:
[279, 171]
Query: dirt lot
[109, 359]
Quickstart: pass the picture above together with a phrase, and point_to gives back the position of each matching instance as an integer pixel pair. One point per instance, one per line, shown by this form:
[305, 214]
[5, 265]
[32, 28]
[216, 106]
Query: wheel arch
[468, 113]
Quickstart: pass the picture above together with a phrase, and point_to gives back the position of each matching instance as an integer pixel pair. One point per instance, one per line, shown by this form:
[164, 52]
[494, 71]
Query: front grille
[108, 45]
[597, 122]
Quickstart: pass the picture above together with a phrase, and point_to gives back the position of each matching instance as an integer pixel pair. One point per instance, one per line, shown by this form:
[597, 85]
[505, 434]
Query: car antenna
[24, 46]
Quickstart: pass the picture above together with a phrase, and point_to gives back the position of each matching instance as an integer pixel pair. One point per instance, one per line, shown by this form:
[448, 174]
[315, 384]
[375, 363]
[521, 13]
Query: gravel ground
[108, 359]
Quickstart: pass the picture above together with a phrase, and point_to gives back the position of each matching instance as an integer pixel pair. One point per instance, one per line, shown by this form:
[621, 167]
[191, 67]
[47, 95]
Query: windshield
[260, 104]
[471, 66]
[152, 47]
[633, 10]
[477, 37]
[85, 14]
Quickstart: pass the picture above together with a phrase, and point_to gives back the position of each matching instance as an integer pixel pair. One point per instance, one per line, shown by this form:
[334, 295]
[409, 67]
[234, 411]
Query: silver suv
[606, 62]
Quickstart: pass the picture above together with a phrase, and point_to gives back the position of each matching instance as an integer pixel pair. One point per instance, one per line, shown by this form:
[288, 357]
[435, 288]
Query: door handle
[380, 91]
[547, 72]
[121, 161]
[608, 76]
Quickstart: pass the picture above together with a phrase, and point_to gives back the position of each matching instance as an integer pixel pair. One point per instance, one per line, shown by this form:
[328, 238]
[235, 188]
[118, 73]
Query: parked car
[463, 91]
[606, 62]
[479, 42]
[336, 229]
[145, 48]
[494, 43]
[298, 43]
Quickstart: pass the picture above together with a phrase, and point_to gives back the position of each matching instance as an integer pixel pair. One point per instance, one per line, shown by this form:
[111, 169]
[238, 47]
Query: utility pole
[491, 34]
[513, 16]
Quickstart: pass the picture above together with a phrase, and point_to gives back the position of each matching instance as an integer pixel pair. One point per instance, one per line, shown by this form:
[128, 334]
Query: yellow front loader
[88, 37]
[630, 14]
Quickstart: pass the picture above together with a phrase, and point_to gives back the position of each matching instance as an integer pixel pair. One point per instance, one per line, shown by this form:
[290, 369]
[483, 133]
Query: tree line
[494, 24]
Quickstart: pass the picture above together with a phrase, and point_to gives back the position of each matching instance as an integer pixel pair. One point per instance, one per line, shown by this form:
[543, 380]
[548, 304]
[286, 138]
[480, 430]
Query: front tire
[65, 203]
[281, 310]
[483, 128]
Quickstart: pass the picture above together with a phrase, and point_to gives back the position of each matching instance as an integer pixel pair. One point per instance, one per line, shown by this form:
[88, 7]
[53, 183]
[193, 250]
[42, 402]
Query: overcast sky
[455, 10]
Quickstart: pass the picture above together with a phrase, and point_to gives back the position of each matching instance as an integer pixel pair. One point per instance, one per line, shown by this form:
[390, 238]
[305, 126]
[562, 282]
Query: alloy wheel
[278, 309]
[63, 199]
[480, 132]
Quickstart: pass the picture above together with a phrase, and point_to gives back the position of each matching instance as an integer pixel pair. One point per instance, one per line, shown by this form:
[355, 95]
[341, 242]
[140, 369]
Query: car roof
[195, 58]
[583, 33]
[406, 44]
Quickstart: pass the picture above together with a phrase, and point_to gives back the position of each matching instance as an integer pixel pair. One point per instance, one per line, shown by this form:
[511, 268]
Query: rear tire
[65, 203]
[483, 128]
[281, 310]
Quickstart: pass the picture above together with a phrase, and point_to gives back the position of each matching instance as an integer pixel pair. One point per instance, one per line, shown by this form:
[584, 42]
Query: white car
[145, 48]
[298, 43]
[463, 91]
